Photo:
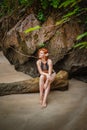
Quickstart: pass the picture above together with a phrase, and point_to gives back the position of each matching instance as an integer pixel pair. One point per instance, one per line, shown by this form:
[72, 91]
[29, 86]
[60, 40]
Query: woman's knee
[53, 77]
[49, 79]
[42, 77]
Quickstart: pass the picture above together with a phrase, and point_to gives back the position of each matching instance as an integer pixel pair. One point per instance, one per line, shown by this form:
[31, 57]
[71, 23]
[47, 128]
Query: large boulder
[32, 85]
[60, 40]
[75, 63]
[63, 40]
[17, 44]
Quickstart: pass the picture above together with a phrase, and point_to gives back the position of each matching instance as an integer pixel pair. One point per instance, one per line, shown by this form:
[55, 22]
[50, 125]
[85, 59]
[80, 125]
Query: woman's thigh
[52, 78]
[42, 78]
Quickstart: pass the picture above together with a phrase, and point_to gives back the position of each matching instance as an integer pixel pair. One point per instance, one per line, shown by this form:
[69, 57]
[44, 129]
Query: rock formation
[18, 46]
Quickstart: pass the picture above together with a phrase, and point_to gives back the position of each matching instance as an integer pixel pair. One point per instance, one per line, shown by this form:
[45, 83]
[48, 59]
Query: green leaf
[70, 3]
[40, 45]
[41, 16]
[81, 36]
[55, 3]
[62, 21]
[44, 3]
[23, 1]
[32, 29]
[81, 45]
[66, 3]
[75, 2]
[71, 13]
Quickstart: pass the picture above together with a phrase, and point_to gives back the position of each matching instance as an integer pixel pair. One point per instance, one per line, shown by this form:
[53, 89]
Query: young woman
[47, 75]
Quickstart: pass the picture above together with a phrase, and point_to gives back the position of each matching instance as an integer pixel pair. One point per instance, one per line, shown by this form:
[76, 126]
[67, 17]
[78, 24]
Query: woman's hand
[48, 76]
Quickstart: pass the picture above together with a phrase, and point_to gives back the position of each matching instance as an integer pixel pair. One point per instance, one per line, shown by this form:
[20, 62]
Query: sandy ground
[66, 110]
[8, 73]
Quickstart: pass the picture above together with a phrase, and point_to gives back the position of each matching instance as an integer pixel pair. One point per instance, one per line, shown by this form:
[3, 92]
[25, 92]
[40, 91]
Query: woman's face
[41, 54]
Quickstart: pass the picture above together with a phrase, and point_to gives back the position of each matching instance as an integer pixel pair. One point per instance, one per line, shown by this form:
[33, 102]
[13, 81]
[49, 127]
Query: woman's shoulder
[38, 61]
[49, 61]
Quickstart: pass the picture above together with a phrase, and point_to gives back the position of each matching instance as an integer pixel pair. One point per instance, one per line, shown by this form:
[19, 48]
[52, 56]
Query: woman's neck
[43, 59]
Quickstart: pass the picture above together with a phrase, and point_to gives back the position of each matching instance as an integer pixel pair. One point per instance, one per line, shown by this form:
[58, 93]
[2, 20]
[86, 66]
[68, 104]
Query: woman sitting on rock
[47, 75]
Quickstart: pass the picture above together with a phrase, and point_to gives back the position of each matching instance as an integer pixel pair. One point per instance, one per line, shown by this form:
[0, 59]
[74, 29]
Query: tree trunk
[32, 85]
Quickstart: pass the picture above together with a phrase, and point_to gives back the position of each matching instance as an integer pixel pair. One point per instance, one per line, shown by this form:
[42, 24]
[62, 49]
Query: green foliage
[81, 45]
[69, 14]
[70, 3]
[73, 7]
[48, 3]
[54, 3]
[32, 29]
[81, 36]
[23, 2]
[41, 45]
[8, 6]
[69, 9]
[62, 21]
[41, 16]
[26, 2]
[44, 3]
[1, 10]
[5, 7]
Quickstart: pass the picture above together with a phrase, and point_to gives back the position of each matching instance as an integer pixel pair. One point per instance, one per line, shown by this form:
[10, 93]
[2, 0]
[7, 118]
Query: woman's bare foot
[41, 101]
[44, 105]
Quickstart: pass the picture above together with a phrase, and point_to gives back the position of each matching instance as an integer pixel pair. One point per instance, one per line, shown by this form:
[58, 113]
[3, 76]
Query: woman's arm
[50, 66]
[39, 68]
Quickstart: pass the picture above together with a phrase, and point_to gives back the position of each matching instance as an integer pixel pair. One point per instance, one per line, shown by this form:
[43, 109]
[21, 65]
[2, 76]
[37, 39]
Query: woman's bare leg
[44, 104]
[47, 89]
[46, 83]
[41, 87]
[52, 77]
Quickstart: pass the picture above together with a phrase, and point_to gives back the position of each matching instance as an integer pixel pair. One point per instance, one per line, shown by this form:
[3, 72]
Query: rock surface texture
[18, 46]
